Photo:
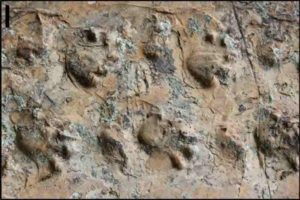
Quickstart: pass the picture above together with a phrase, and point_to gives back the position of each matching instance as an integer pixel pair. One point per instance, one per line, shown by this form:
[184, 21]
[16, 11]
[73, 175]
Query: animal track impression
[163, 136]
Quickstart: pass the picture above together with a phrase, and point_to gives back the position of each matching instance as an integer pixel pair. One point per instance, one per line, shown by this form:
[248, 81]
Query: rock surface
[150, 100]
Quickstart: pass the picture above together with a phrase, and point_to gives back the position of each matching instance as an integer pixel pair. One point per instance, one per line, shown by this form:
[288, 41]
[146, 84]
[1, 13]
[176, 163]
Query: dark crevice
[245, 46]
[256, 82]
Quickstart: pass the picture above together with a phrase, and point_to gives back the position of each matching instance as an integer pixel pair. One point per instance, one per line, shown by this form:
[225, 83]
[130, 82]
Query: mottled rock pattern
[150, 100]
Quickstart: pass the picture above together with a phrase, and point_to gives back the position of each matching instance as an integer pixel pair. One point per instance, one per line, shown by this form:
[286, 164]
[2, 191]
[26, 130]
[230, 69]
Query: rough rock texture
[150, 100]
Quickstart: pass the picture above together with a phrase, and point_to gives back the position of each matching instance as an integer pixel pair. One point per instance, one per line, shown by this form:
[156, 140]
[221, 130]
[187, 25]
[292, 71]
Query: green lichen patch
[164, 28]
[7, 132]
[125, 45]
[176, 86]
[107, 110]
[193, 25]
[19, 100]
[84, 133]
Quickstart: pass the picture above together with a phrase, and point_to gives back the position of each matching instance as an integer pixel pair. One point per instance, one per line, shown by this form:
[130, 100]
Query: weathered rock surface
[150, 100]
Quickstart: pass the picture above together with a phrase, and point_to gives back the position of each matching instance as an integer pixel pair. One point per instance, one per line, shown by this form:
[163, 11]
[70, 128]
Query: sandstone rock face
[150, 100]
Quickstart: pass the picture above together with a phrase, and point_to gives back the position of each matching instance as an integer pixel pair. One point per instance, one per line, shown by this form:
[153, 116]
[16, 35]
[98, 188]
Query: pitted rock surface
[150, 100]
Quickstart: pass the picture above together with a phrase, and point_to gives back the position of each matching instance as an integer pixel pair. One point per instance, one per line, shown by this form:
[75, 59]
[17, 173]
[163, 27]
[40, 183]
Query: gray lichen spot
[164, 28]
[207, 19]
[176, 85]
[295, 58]
[108, 176]
[8, 134]
[107, 110]
[124, 44]
[228, 42]
[165, 64]
[4, 58]
[76, 195]
[84, 133]
[193, 25]
[18, 99]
